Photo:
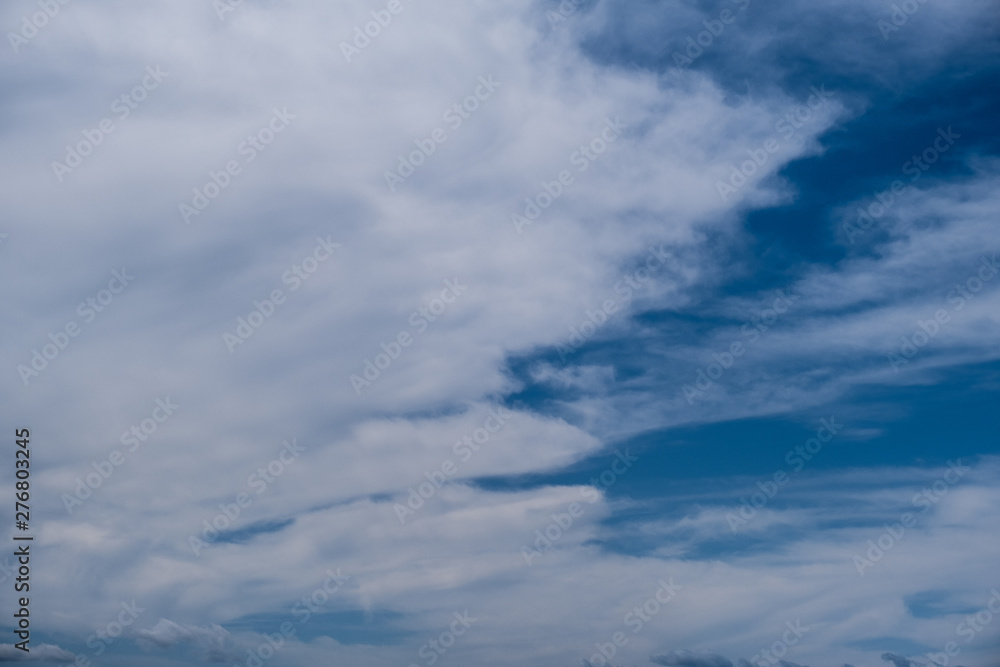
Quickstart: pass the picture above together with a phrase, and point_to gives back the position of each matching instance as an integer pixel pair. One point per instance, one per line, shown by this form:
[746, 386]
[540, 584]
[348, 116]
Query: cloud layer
[248, 358]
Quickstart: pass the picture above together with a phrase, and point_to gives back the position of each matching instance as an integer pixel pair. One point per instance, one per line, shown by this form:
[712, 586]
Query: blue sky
[541, 333]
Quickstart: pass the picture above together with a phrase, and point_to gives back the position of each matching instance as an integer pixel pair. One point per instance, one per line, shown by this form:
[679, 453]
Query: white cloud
[323, 176]
[39, 653]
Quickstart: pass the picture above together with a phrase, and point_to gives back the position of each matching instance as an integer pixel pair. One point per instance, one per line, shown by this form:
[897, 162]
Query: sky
[542, 333]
